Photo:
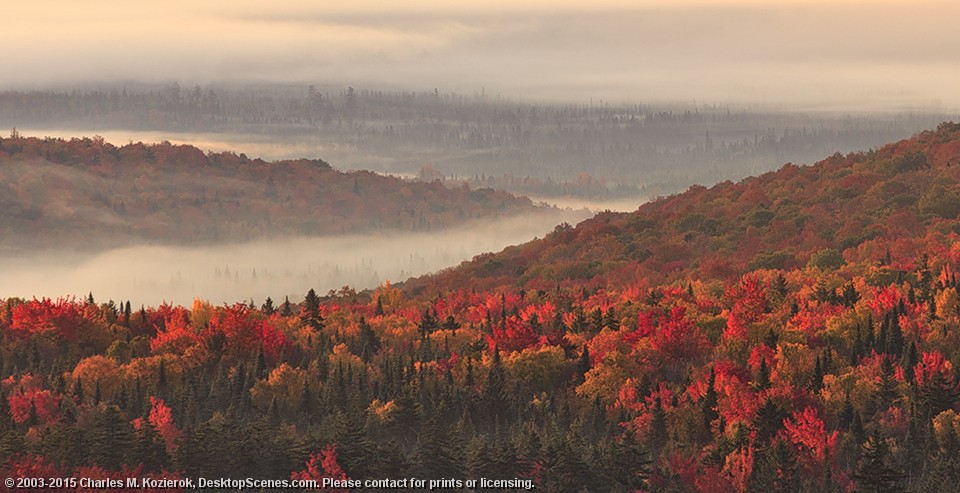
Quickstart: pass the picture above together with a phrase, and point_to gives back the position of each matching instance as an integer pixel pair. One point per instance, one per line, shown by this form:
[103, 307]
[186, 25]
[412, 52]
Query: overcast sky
[863, 54]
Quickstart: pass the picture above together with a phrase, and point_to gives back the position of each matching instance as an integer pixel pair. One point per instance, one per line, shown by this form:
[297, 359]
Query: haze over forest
[852, 55]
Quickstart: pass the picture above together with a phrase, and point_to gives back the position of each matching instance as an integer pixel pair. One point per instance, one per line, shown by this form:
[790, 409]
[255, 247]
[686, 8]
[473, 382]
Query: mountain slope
[830, 367]
[90, 193]
[849, 208]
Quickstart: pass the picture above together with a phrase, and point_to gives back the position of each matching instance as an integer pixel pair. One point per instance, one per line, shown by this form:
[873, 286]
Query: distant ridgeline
[798, 332]
[91, 193]
[591, 151]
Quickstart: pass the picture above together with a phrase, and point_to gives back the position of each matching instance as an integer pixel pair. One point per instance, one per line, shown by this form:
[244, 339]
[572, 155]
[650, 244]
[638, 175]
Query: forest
[94, 194]
[596, 150]
[794, 331]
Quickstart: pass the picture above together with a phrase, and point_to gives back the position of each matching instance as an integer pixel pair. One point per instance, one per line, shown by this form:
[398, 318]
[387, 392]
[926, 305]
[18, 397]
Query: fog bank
[151, 275]
[862, 54]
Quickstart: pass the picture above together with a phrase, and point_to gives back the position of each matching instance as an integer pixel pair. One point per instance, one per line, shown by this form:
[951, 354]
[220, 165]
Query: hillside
[852, 210]
[795, 332]
[90, 193]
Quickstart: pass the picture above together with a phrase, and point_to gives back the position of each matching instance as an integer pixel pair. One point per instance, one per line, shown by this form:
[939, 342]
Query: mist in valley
[151, 275]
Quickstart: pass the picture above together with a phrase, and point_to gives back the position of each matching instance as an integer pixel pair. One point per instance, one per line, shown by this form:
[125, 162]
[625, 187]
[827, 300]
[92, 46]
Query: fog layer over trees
[597, 151]
[275, 268]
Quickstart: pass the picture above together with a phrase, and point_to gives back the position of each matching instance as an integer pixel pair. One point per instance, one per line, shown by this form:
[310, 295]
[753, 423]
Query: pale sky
[856, 54]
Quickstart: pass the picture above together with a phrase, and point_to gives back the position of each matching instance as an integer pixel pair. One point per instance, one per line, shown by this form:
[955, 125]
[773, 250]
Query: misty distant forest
[607, 154]
[163, 222]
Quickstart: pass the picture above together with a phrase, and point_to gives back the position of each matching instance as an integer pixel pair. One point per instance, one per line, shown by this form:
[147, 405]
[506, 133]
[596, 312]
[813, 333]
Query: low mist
[151, 275]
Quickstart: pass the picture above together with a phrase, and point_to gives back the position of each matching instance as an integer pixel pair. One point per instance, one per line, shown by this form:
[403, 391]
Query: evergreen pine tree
[762, 381]
[162, 377]
[583, 365]
[480, 462]
[775, 469]
[307, 405]
[123, 398]
[708, 405]
[428, 323]
[771, 339]
[310, 310]
[267, 308]
[6, 420]
[845, 417]
[857, 350]
[369, 341]
[494, 393]
[149, 449]
[886, 392]
[910, 359]
[379, 310]
[389, 461]
[110, 438]
[626, 463]
[876, 472]
[432, 456]
[894, 342]
[562, 468]
[260, 366]
[354, 449]
[97, 397]
[286, 309]
[816, 381]
[78, 390]
[658, 427]
[768, 421]
[856, 428]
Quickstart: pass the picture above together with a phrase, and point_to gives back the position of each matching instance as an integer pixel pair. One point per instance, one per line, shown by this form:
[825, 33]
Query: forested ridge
[797, 331]
[600, 150]
[95, 194]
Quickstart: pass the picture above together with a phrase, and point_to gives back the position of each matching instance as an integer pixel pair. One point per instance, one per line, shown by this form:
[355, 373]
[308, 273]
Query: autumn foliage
[780, 334]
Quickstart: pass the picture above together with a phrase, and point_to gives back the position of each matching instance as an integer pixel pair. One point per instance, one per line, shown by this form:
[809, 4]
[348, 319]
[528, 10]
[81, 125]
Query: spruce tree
[775, 469]
[379, 310]
[583, 365]
[78, 390]
[6, 420]
[658, 426]
[110, 438]
[433, 457]
[267, 308]
[816, 381]
[562, 468]
[149, 448]
[768, 421]
[494, 393]
[876, 472]
[310, 310]
[626, 462]
[369, 341]
[887, 391]
[286, 309]
[708, 405]
[354, 449]
[762, 381]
